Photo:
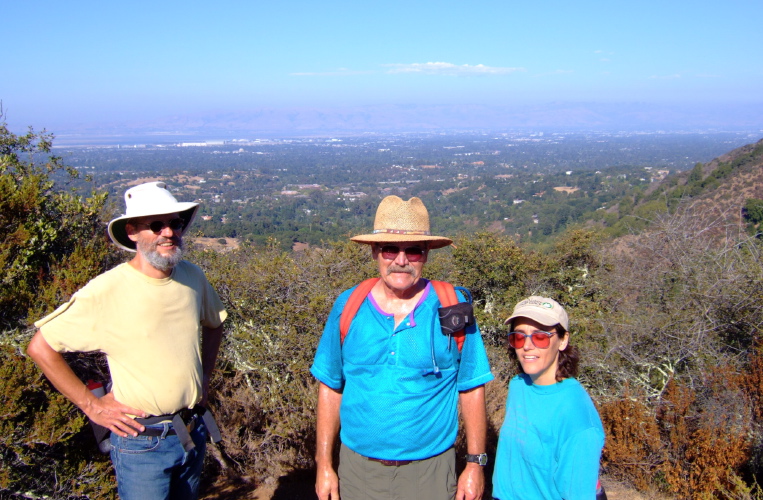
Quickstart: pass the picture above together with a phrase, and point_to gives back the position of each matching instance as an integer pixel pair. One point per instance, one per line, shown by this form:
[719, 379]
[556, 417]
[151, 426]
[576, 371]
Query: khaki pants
[430, 479]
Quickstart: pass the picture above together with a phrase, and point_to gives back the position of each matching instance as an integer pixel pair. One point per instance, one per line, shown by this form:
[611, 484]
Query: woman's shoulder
[575, 391]
[579, 402]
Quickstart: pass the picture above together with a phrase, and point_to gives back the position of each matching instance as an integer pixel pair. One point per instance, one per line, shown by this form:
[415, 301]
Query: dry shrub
[753, 388]
[691, 444]
[707, 435]
[633, 449]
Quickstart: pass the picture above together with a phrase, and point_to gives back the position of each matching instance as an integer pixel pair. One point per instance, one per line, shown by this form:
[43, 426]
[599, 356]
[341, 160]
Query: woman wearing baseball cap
[551, 439]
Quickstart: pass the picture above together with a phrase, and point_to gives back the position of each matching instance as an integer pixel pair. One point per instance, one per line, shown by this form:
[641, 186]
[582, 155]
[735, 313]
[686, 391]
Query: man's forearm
[60, 374]
[105, 411]
[475, 419]
[327, 424]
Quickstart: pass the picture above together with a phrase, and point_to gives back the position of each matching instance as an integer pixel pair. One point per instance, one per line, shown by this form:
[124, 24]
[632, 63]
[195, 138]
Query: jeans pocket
[135, 445]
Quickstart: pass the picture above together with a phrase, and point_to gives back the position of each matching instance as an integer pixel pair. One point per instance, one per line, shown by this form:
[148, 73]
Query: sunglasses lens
[516, 340]
[414, 254]
[390, 252]
[541, 340]
[177, 224]
[156, 226]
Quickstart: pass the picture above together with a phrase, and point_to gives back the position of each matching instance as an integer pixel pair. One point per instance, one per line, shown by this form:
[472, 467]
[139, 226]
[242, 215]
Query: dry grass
[620, 491]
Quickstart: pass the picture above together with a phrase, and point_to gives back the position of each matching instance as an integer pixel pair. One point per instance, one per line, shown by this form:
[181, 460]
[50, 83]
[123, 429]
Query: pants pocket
[134, 445]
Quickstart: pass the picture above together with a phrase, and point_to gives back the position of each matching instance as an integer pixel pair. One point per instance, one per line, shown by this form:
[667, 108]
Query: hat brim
[118, 230]
[370, 239]
[535, 314]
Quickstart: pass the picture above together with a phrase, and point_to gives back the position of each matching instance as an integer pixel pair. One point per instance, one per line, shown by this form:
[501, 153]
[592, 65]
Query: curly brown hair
[569, 358]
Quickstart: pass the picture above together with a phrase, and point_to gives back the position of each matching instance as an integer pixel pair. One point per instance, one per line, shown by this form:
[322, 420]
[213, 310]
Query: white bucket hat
[151, 198]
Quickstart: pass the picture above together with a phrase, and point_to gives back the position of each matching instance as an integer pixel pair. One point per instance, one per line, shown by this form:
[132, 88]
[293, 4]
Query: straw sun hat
[151, 198]
[398, 220]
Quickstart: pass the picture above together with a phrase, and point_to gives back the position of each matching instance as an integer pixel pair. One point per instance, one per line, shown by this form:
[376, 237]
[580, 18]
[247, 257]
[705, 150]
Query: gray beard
[159, 261]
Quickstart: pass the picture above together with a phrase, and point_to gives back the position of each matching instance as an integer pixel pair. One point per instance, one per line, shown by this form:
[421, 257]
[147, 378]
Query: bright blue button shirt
[399, 385]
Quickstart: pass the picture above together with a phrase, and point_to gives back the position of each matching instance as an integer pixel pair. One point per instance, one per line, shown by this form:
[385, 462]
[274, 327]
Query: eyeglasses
[158, 226]
[541, 340]
[413, 254]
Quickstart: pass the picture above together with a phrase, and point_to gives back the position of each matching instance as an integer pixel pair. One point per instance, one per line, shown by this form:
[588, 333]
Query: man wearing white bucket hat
[159, 322]
[393, 366]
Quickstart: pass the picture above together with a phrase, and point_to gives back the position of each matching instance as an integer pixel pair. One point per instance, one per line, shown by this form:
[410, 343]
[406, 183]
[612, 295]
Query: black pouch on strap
[210, 423]
[456, 317]
[102, 437]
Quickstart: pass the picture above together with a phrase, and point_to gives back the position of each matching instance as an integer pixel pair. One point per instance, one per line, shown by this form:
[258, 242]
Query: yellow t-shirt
[149, 329]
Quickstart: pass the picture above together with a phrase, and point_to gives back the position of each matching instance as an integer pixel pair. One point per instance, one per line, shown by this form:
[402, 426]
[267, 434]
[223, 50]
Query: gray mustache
[394, 268]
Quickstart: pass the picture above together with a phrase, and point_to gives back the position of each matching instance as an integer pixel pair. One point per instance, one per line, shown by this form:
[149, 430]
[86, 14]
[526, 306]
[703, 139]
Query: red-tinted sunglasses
[541, 340]
[413, 254]
[158, 225]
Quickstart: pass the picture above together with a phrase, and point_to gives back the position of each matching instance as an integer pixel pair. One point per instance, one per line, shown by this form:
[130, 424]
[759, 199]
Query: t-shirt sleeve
[72, 327]
[578, 471]
[474, 369]
[327, 365]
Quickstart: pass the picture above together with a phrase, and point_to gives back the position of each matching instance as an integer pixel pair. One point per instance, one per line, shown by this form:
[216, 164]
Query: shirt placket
[394, 339]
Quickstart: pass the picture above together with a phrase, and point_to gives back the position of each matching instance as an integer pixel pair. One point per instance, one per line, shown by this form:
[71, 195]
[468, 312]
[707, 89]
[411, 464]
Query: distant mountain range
[559, 116]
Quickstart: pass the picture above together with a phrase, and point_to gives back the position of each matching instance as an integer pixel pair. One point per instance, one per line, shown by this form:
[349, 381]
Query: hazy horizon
[295, 66]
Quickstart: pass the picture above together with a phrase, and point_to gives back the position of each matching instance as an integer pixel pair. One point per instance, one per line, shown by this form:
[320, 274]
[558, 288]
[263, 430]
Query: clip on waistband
[183, 423]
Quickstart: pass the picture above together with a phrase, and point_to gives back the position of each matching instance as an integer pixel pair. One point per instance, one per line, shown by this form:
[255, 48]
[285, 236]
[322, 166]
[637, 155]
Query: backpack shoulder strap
[353, 304]
[446, 294]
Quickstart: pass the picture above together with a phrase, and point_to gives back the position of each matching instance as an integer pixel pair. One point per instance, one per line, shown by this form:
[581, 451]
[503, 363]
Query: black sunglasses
[413, 254]
[158, 225]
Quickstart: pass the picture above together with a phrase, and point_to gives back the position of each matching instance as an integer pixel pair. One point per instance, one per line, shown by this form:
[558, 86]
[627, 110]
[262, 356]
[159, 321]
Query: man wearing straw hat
[159, 322]
[392, 381]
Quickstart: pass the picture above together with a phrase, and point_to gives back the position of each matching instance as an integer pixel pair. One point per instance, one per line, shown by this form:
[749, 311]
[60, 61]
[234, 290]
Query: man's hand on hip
[110, 413]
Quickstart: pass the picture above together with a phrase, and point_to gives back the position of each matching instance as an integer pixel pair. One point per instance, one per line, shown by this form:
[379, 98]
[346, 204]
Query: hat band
[402, 231]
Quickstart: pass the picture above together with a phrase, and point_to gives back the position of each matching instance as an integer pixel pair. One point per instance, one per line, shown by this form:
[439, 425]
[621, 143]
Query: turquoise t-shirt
[399, 385]
[550, 443]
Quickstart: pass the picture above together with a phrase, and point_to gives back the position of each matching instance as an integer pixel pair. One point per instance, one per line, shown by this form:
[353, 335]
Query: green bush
[51, 243]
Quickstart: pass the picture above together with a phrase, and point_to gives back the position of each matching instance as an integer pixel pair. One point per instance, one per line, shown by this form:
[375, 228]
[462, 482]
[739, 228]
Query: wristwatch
[480, 459]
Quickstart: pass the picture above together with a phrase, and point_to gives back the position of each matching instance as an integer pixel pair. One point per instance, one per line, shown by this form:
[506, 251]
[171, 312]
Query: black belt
[183, 423]
[395, 463]
[391, 463]
[153, 431]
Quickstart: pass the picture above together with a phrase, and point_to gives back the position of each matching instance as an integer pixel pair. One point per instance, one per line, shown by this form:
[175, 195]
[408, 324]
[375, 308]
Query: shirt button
[392, 353]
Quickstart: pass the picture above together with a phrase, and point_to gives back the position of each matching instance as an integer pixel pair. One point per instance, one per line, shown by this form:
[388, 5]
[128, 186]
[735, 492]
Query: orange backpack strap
[446, 294]
[353, 304]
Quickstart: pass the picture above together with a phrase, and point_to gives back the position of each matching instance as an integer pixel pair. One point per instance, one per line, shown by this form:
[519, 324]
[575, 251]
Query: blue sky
[85, 61]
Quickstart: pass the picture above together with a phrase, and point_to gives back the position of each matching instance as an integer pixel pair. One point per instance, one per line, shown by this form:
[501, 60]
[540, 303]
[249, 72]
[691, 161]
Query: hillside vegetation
[668, 318]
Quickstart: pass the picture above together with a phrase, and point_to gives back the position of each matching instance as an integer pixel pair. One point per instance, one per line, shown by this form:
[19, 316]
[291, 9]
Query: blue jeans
[157, 467]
